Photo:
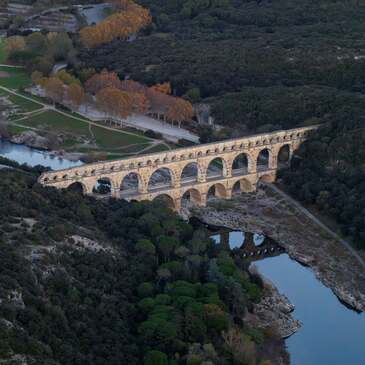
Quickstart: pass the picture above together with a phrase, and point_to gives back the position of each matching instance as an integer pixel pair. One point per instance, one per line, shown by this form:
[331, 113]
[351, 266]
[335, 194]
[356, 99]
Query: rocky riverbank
[268, 213]
[273, 315]
[274, 312]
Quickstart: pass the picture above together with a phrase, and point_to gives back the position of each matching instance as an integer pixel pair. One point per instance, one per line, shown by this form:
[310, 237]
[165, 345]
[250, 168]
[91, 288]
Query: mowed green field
[14, 78]
[25, 105]
[111, 139]
[54, 121]
[2, 51]
[114, 143]
[104, 139]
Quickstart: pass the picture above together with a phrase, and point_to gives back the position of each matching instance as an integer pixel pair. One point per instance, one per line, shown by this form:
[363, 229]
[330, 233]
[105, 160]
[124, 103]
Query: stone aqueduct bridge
[215, 166]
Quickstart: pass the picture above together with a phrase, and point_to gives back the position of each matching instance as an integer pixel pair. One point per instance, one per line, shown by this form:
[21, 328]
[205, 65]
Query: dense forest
[84, 281]
[262, 66]
[247, 50]
[329, 173]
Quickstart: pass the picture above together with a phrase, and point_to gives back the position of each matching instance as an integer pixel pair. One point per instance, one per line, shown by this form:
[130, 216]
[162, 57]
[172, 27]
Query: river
[331, 333]
[32, 157]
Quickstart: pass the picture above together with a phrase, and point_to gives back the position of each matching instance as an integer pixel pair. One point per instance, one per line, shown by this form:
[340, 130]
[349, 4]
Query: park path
[52, 108]
[306, 212]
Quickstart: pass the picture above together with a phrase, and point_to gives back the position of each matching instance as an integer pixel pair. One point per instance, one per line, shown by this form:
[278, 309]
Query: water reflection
[331, 333]
[32, 157]
[248, 245]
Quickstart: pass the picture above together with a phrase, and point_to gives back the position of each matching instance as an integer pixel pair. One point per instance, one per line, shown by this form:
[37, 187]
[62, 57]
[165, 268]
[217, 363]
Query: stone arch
[241, 164]
[192, 195]
[78, 186]
[242, 186]
[103, 186]
[263, 159]
[284, 154]
[161, 178]
[189, 173]
[131, 183]
[165, 199]
[217, 168]
[266, 179]
[217, 190]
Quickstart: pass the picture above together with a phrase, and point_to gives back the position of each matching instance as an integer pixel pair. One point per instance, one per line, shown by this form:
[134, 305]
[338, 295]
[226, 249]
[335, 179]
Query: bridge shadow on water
[249, 246]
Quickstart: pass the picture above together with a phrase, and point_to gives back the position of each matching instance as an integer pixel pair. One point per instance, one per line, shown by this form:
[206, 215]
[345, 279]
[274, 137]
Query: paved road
[323, 226]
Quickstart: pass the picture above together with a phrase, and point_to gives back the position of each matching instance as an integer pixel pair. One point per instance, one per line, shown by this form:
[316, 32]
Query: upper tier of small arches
[184, 154]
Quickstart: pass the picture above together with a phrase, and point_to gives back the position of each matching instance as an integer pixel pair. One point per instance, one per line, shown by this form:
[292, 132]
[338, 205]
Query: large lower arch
[266, 179]
[284, 154]
[161, 179]
[216, 169]
[77, 187]
[263, 160]
[190, 173]
[217, 190]
[193, 196]
[242, 186]
[131, 184]
[240, 165]
[165, 199]
[103, 186]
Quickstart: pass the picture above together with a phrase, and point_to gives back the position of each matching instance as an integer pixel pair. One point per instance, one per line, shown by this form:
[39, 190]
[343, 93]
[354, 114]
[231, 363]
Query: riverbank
[268, 213]
[274, 316]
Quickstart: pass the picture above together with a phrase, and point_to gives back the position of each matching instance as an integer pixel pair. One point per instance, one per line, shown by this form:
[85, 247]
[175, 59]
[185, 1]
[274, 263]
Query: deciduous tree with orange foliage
[130, 20]
[75, 95]
[164, 88]
[114, 102]
[179, 110]
[54, 89]
[131, 86]
[102, 80]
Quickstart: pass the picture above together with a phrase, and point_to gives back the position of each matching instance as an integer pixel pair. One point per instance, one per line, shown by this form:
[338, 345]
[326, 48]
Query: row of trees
[129, 20]
[117, 99]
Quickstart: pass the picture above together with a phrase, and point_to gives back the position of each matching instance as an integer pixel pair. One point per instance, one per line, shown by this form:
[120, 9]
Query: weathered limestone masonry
[225, 152]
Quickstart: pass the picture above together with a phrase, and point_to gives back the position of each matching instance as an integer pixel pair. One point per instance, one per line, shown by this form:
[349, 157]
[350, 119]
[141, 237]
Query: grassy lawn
[111, 139]
[3, 55]
[13, 129]
[17, 78]
[35, 97]
[24, 104]
[58, 122]
[158, 148]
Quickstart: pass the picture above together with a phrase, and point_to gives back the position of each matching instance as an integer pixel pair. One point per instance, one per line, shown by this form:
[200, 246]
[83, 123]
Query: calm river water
[32, 157]
[331, 334]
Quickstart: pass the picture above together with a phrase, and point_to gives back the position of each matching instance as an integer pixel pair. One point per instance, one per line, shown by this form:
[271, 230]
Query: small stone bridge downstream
[195, 173]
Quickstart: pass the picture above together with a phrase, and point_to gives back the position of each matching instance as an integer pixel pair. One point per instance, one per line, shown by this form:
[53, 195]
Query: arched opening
[131, 184]
[192, 196]
[166, 200]
[216, 169]
[160, 179]
[240, 165]
[103, 186]
[77, 187]
[217, 191]
[265, 179]
[189, 174]
[241, 186]
[258, 239]
[263, 160]
[284, 156]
